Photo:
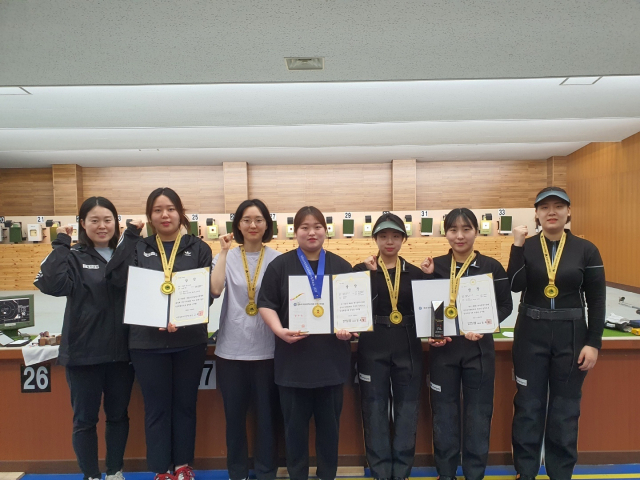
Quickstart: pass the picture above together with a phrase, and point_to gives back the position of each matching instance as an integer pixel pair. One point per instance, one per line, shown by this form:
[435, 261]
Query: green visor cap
[552, 193]
[389, 225]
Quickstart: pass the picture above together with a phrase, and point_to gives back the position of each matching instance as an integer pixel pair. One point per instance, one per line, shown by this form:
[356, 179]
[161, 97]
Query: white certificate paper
[301, 303]
[352, 302]
[147, 306]
[424, 292]
[190, 301]
[476, 302]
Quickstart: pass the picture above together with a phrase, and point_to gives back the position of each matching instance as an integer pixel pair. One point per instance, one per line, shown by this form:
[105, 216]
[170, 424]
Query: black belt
[407, 320]
[547, 314]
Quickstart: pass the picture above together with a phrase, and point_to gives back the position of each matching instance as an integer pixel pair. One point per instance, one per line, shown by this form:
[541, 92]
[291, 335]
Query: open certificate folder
[345, 304]
[146, 305]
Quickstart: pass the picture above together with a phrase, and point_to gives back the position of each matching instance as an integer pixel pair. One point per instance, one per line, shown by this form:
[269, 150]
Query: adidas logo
[150, 254]
[187, 253]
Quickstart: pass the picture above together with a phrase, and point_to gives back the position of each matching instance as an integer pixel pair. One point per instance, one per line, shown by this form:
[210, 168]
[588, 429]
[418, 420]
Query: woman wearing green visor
[390, 357]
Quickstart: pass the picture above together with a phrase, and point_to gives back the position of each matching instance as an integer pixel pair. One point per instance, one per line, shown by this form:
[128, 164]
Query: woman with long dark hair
[94, 347]
[168, 362]
[464, 363]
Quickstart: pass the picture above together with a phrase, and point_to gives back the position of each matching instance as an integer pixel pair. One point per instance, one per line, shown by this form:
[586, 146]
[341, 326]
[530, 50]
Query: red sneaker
[164, 476]
[184, 473]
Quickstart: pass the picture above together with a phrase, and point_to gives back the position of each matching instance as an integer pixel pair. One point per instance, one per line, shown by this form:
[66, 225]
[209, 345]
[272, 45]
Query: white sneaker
[115, 476]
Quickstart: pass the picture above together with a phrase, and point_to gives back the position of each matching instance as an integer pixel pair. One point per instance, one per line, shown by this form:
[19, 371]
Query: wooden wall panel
[26, 191]
[236, 185]
[200, 188]
[476, 184]
[67, 189]
[557, 172]
[603, 182]
[404, 184]
[332, 188]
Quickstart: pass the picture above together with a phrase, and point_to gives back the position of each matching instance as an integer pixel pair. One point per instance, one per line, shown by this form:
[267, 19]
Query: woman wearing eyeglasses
[245, 343]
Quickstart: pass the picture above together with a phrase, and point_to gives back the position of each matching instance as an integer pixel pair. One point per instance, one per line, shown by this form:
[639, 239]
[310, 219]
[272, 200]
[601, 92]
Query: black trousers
[390, 365]
[169, 383]
[545, 360]
[298, 406]
[472, 365]
[88, 384]
[242, 384]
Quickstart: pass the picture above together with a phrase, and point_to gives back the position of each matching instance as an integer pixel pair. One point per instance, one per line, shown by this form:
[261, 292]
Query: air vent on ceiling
[305, 63]
[580, 80]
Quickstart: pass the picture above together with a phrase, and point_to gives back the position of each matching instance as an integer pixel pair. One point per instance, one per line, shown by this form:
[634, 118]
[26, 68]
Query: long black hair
[88, 205]
[467, 216]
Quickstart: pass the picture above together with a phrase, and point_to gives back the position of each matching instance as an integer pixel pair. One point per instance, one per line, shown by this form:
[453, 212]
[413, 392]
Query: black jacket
[480, 266]
[143, 252]
[92, 331]
[580, 279]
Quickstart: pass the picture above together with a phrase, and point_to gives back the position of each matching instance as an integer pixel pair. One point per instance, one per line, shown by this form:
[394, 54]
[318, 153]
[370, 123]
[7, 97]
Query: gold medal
[251, 309]
[318, 311]
[167, 266]
[551, 291]
[167, 288]
[451, 312]
[394, 292]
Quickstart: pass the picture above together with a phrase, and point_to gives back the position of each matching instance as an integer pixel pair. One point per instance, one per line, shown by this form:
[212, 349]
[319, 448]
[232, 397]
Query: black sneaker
[444, 477]
[524, 477]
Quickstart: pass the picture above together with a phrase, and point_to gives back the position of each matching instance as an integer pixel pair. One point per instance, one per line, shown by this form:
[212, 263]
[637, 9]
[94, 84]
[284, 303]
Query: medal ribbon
[394, 292]
[552, 268]
[251, 284]
[315, 281]
[168, 266]
[454, 280]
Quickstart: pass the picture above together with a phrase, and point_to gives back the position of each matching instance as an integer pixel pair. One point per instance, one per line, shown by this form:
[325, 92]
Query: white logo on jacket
[91, 267]
[150, 254]
[187, 253]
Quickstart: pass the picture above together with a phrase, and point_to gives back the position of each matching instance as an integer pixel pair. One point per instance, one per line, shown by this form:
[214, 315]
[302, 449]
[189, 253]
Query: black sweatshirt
[481, 265]
[381, 301]
[317, 360]
[143, 252]
[580, 279]
[92, 330]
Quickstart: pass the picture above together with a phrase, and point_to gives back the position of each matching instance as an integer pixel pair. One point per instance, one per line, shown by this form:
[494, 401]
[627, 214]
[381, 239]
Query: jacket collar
[474, 264]
[185, 242]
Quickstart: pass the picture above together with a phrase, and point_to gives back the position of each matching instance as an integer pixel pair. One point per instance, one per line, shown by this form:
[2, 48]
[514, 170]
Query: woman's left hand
[474, 337]
[171, 328]
[588, 358]
[427, 265]
[344, 334]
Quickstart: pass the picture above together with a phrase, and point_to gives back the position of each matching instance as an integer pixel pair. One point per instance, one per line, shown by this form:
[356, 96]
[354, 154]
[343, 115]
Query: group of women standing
[261, 361]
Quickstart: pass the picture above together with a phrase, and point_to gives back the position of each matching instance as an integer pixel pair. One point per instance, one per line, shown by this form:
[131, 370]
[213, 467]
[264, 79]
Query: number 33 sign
[35, 379]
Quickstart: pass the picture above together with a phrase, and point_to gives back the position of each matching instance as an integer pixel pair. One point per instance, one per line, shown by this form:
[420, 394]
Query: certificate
[425, 292]
[302, 306]
[477, 309]
[352, 302]
[146, 305]
[190, 301]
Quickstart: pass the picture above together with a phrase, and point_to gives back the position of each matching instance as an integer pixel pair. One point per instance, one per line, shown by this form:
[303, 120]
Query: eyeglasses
[248, 221]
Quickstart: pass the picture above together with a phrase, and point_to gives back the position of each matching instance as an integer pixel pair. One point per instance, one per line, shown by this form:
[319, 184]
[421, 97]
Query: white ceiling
[381, 96]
